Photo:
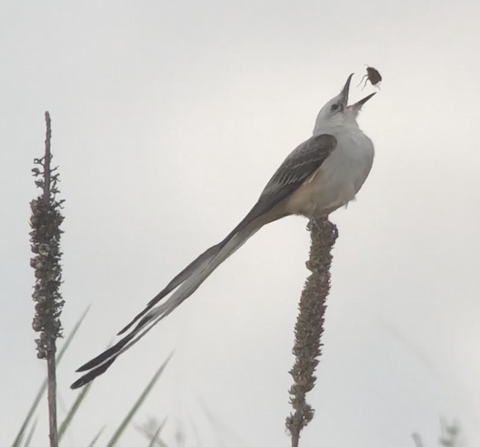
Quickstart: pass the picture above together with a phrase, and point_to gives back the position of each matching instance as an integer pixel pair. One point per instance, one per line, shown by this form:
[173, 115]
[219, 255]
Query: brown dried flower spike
[45, 236]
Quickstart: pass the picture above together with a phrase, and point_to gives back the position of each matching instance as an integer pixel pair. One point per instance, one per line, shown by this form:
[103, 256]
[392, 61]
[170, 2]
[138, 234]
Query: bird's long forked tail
[185, 283]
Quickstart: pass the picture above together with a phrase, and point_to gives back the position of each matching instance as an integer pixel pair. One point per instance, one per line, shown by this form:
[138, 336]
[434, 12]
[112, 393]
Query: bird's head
[337, 112]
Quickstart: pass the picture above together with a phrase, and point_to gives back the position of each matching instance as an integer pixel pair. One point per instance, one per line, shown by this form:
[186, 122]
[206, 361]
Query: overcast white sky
[168, 120]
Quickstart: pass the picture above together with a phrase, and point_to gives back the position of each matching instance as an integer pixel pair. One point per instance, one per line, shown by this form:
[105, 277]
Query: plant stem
[51, 345]
[48, 156]
[52, 393]
[309, 326]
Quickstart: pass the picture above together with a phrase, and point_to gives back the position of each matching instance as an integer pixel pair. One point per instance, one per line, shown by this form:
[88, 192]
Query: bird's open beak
[345, 90]
[358, 105]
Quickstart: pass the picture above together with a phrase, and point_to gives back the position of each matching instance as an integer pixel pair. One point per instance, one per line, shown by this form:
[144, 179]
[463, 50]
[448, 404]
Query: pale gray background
[168, 119]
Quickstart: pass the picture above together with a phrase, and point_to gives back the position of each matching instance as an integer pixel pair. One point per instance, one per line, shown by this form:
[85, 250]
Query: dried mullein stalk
[309, 326]
[45, 222]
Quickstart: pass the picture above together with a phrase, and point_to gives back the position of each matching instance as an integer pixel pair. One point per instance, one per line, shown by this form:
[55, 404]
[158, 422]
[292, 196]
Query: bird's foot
[313, 223]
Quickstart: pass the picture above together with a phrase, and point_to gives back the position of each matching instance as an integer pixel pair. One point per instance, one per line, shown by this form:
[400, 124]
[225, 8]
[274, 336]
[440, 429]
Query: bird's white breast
[340, 176]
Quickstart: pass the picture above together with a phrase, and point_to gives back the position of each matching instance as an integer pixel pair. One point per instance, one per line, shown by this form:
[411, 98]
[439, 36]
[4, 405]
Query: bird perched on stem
[321, 175]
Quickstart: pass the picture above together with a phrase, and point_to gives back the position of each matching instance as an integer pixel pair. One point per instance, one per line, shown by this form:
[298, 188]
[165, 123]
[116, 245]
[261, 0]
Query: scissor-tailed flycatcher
[319, 176]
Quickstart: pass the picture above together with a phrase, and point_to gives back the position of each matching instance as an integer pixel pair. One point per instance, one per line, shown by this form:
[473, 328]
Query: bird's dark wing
[297, 167]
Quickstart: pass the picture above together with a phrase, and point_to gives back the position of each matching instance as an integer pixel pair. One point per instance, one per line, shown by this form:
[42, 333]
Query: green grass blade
[95, 439]
[69, 339]
[18, 440]
[30, 435]
[155, 439]
[118, 433]
[38, 397]
[73, 410]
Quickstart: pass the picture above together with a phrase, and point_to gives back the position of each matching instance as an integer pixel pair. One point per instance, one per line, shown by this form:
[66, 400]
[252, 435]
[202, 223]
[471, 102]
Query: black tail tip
[125, 329]
[83, 368]
[77, 384]
[98, 371]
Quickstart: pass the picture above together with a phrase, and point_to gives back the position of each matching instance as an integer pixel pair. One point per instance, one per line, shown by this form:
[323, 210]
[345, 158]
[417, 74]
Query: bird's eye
[335, 107]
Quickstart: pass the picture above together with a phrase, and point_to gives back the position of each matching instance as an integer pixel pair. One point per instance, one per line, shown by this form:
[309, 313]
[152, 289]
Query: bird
[322, 174]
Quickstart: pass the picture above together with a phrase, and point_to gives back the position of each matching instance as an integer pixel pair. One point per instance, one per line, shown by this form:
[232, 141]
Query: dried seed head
[45, 236]
[44, 249]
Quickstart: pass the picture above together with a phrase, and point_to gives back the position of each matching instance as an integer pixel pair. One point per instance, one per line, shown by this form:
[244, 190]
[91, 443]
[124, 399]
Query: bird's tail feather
[174, 283]
[185, 283]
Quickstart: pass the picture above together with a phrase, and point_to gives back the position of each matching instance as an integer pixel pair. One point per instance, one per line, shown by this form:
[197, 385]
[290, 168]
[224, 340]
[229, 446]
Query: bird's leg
[313, 222]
